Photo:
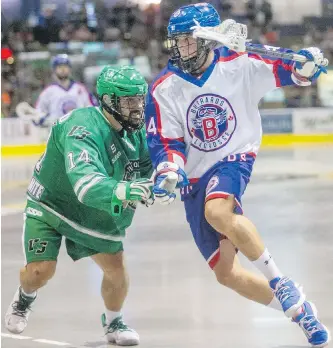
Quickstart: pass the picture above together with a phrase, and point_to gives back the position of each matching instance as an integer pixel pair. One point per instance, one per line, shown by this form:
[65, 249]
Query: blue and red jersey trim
[161, 148]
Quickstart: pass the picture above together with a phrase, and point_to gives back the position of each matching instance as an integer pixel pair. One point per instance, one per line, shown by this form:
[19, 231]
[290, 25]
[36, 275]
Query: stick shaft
[274, 53]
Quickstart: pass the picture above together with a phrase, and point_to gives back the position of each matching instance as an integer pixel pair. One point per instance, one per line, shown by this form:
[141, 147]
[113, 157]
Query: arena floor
[174, 300]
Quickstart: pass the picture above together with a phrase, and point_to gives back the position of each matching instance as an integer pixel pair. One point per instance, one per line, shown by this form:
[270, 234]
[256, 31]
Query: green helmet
[121, 92]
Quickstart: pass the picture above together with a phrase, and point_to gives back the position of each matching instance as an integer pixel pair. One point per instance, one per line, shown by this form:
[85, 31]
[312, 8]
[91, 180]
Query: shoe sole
[125, 343]
[14, 331]
[129, 342]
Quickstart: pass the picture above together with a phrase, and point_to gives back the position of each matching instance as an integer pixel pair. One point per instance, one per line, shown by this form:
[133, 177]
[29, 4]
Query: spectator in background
[6, 98]
[19, 36]
[122, 17]
[82, 33]
[137, 29]
[266, 9]
[141, 32]
[150, 20]
[102, 14]
[250, 8]
[259, 13]
[224, 8]
[293, 98]
[312, 36]
[48, 27]
[327, 43]
[270, 36]
[325, 40]
[77, 14]
[112, 34]
[66, 32]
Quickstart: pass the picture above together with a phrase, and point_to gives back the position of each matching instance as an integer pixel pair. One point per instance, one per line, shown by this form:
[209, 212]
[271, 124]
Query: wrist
[122, 191]
[165, 167]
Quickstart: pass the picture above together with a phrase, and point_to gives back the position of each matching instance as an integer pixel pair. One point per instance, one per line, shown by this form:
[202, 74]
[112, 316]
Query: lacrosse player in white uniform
[63, 95]
[203, 124]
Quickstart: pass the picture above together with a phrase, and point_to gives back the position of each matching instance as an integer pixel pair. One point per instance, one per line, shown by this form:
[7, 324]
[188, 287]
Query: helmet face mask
[128, 111]
[62, 72]
[132, 110]
[187, 53]
[122, 94]
[61, 67]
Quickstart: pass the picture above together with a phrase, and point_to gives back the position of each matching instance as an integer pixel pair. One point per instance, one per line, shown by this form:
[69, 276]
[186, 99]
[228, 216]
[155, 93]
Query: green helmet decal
[121, 82]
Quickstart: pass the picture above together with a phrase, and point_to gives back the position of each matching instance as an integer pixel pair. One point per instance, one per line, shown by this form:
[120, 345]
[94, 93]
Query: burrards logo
[211, 122]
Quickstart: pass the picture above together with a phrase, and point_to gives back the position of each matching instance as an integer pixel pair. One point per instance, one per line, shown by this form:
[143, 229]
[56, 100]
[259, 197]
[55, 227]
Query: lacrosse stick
[27, 113]
[234, 36]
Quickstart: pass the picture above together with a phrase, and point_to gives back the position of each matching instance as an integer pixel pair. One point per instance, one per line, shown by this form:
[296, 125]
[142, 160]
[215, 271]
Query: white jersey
[56, 101]
[197, 122]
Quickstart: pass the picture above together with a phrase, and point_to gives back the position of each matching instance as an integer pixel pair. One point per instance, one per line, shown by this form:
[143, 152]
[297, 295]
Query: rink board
[281, 128]
[269, 140]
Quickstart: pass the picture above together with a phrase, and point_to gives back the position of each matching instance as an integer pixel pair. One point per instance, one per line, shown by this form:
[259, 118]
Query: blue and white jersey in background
[198, 121]
[56, 101]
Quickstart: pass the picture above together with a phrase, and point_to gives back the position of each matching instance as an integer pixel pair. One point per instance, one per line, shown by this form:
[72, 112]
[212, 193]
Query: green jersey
[84, 160]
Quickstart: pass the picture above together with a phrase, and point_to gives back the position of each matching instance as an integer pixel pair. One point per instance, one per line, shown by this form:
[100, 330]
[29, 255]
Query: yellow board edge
[268, 140]
[22, 150]
[287, 140]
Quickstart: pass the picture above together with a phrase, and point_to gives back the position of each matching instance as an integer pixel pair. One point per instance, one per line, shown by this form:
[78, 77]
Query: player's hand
[148, 203]
[168, 176]
[28, 113]
[136, 190]
[312, 69]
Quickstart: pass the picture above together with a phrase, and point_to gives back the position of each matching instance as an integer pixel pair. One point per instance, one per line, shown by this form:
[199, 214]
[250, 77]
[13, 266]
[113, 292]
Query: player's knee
[224, 275]
[42, 270]
[218, 213]
[114, 270]
[116, 273]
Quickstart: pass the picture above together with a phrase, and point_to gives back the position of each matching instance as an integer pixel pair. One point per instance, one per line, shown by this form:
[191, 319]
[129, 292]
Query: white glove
[229, 33]
[130, 192]
[304, 73]
[136, 190]
[166, 180]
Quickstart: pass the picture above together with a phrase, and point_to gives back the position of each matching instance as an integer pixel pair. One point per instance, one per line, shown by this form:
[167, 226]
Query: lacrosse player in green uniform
[85, 188]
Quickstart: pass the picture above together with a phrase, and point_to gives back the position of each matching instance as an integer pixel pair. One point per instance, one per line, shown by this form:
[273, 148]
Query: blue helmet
[182, 20]
[60, 59]
[180, 24]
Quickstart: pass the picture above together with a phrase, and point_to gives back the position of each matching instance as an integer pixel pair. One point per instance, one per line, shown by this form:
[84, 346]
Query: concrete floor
[174, 300]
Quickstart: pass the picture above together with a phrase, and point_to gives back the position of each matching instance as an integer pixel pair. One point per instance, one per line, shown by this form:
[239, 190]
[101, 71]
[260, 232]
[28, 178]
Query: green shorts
[44, 229]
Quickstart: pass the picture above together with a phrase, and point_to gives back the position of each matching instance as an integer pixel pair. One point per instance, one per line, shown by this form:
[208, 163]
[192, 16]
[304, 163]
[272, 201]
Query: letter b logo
[210, 128]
